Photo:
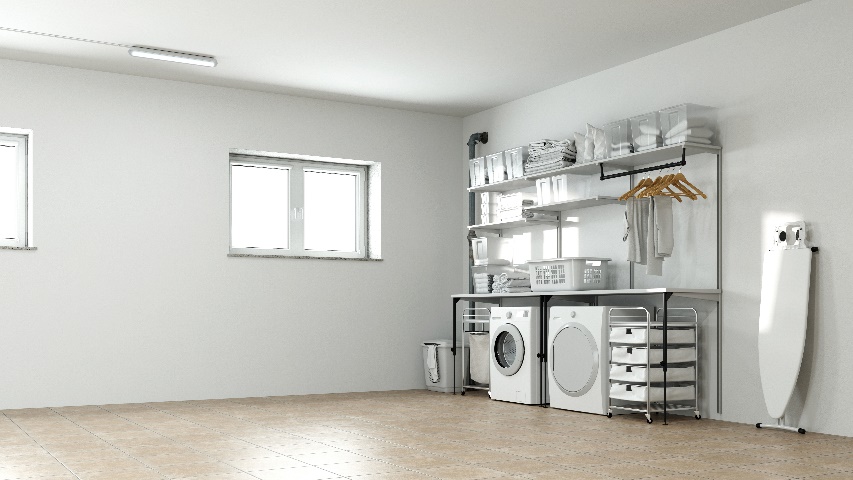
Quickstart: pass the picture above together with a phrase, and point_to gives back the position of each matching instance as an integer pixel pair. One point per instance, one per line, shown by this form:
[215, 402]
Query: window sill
[9, 247]
[302, 257]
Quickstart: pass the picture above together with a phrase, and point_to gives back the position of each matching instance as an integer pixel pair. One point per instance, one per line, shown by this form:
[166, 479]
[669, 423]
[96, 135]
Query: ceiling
[448, 57]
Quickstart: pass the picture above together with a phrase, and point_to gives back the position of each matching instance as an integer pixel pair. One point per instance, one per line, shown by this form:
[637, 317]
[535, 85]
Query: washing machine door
[574, 359]
[508, 349]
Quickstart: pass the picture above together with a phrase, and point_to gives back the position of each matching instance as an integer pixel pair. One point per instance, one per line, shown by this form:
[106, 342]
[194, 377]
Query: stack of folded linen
[511, 205]
[483, 282]
[692, 130]
[513, 282]
[547, 155]
[648, 138]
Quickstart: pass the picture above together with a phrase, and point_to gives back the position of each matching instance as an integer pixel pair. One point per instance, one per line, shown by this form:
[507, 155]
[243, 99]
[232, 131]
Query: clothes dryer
[578, 358]
[516, 369]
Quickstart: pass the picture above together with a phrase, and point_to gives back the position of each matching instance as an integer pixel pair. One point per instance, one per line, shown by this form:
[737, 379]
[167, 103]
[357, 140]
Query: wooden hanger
[644, 182]
[682, 179]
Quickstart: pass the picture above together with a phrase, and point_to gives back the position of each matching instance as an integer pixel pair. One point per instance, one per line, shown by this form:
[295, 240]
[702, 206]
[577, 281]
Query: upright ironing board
[782, 319]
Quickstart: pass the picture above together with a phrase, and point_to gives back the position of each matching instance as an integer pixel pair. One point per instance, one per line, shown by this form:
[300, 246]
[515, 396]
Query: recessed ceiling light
[171, 56]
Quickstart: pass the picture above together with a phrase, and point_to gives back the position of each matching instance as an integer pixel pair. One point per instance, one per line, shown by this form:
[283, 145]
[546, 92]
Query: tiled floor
[395, 435]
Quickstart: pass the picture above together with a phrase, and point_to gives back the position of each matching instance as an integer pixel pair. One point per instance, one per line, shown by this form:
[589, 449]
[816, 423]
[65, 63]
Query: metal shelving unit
[689, 321]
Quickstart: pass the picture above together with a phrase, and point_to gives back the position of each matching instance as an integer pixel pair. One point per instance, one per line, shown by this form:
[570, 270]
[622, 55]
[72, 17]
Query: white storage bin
[642, 335]
[641, 374]
[543, 191]
[489, 208]
[617, 135]
[577, 273]
[646, 132]
[492, 251]
[643, 355]
[440, 378]
[643, 393]
[514, 158]
[496, 167]
[559, 188]
[477, 170]
[512, 201]
[686, 116]
[487, 218]
[489, 197]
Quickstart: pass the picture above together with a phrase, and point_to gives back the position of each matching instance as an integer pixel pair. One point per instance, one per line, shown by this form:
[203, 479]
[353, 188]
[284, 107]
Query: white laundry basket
[440, 378]
[478, 343]
[575, 273]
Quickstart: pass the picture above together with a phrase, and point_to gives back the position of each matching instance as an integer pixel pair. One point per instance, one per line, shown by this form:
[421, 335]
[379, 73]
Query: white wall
[130, 296]
[783, 88]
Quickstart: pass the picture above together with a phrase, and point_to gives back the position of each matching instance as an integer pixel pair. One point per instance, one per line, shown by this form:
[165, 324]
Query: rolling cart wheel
[697, 417]
[463, 392]
[757, 425]
[801, 430]
[649, 420]
[609, 414]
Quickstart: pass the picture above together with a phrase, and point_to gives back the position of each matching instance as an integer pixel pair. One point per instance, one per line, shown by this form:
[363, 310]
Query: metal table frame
[590, 297]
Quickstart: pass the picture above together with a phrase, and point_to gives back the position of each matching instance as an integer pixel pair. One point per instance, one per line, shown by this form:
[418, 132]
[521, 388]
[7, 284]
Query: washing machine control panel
[523, 313]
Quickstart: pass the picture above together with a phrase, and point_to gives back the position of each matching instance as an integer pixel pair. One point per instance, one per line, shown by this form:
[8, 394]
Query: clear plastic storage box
[496, 167]
[617, 136]
[686, 116]
[492, 250]
[576, 273]
[646, 131]
[477, 170]
[514, 158]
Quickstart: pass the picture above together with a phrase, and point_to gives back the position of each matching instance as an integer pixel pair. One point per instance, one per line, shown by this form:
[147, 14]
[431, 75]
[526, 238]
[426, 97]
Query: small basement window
[14, 188]
[299, 206]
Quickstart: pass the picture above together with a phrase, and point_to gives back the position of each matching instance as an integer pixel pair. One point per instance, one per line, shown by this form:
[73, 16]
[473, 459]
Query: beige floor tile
[265, 463]
[739, 473]
[327, 458]
[627, 471]
[298, 473]
[793, 469]
[367, 467]
[468, 472]
[416, 462]
[182, 470]
[140, 473]
[566, 474]
[26, 471]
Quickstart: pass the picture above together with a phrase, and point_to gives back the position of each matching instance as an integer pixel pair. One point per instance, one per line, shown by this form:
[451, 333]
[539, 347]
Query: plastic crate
[646, 132]
[576, 273]
[687, 115]
[617, 136]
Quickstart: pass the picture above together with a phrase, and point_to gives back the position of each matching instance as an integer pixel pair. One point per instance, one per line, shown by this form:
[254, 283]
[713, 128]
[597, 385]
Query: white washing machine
[515, 372]
[578, 358]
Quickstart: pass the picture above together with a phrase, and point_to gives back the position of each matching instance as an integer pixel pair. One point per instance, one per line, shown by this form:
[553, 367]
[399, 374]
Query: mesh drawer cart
[652, 368]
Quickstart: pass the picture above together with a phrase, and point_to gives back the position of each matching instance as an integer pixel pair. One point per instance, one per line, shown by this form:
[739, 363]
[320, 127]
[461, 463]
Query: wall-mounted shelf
[575, 204]
[632, 160]
[521, 222]
[504, 186]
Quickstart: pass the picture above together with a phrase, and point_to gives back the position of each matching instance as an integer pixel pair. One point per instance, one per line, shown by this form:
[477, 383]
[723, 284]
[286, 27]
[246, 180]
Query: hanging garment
[635, 230]
[654, 264]
[663, 233]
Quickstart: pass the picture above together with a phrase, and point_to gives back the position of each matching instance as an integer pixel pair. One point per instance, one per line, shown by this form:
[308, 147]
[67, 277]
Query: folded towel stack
[483, 282]
[691, 130]
[518, 213]
[512, 282]
[547, 155]
[511, 205]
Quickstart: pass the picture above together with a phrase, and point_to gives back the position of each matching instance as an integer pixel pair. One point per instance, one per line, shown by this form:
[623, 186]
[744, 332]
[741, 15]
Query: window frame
[296, 205]
[24, 150]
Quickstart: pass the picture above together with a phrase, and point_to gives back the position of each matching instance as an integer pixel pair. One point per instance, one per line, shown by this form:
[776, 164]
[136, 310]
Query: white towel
[432, 362]
[654, 265]
[663, 233]
[516, 289]
[685, 138]
[646, 140]
[699, 132]
[684, 125]
[504, 277]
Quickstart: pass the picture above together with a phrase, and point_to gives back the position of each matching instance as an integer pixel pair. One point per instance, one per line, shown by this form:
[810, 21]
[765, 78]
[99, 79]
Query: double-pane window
[13, 190]
[296, 207]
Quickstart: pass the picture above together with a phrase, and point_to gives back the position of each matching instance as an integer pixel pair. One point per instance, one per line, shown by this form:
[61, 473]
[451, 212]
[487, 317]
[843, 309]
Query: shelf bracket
[682, 163]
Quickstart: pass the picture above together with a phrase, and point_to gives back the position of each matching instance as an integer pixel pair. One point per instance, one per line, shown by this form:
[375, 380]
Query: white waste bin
[438, 365]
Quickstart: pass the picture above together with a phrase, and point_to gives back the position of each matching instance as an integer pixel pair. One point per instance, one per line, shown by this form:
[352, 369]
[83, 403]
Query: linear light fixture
[172, 56]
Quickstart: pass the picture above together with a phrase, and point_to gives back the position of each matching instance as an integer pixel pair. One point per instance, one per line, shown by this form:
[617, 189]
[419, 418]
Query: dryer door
[508, 349]
[574, 359]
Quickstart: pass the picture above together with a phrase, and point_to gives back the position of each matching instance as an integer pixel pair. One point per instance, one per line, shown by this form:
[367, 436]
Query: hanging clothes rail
[682, 163]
